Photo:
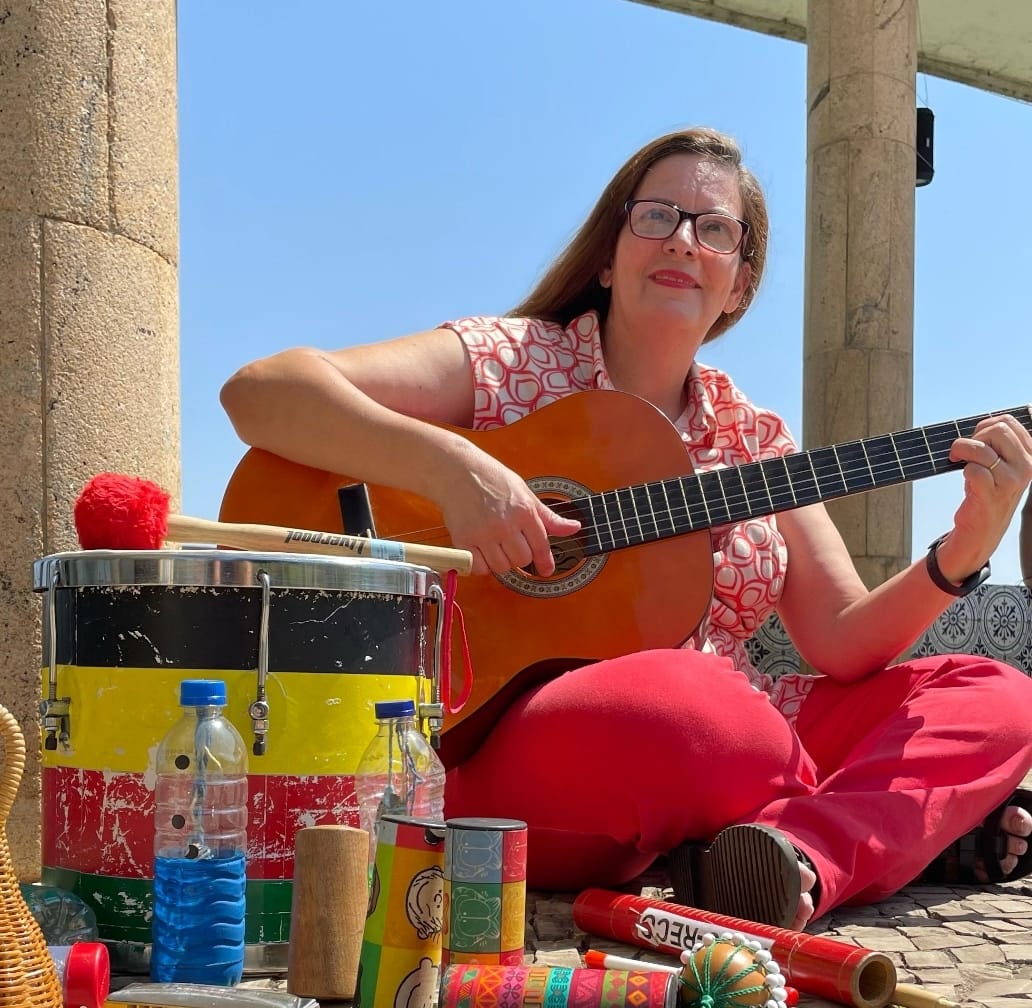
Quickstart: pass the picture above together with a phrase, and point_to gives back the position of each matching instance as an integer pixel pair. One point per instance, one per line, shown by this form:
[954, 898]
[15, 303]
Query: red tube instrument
[814, 965]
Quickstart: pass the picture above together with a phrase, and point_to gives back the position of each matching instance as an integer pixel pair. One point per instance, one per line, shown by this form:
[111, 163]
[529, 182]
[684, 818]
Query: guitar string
[737, 501]
[802, 487]
[738, 506]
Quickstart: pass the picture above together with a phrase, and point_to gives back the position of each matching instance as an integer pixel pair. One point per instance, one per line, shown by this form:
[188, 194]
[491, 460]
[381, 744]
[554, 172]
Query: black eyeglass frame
[684, 215]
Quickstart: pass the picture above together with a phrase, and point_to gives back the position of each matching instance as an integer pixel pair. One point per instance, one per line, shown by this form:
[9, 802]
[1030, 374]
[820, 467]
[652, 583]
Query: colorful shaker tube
[485, 891]
[401, 944]
[815, 965]
[470, 985]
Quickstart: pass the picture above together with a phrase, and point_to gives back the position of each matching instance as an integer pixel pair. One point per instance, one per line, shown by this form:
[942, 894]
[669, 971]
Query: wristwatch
[966, 587]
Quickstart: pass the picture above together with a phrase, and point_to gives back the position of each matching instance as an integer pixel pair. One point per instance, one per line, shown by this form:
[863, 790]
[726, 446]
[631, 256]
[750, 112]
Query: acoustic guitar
[638, 574]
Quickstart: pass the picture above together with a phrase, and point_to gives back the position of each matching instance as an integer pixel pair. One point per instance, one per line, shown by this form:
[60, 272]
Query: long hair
[570, 286]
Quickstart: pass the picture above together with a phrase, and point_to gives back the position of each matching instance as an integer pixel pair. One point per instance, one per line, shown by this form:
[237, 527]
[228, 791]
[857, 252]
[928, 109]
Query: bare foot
[804, 911]
[1018, 823]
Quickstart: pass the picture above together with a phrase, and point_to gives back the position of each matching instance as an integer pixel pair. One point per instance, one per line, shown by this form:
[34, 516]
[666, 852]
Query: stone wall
[994, 620]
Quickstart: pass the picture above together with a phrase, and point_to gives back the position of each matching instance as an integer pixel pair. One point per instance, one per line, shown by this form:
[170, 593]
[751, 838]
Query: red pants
[613, 764]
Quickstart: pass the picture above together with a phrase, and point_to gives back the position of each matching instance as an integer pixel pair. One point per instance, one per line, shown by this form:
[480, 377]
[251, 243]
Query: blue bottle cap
[395, 708]
[202, 693]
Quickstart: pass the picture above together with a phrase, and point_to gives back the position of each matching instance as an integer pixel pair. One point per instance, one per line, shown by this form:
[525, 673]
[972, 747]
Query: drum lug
[259, 714]
[56, 716]
[431, 715]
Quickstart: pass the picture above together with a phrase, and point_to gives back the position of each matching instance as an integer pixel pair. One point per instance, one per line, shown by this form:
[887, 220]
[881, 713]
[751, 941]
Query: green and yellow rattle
[728, 972]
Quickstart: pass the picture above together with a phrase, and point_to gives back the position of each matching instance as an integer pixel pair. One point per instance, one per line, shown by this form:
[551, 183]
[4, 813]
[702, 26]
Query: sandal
[986, 846]
[750, 872]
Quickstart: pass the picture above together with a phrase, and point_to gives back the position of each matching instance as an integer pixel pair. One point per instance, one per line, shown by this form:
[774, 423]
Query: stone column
[859, 287]
[89, 366]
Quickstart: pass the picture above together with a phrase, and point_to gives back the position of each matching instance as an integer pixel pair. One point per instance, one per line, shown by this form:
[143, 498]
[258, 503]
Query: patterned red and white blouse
[520, 365]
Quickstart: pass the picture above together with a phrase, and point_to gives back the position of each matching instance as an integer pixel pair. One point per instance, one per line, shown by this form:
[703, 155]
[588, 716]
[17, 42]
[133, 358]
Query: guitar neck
[630, 516]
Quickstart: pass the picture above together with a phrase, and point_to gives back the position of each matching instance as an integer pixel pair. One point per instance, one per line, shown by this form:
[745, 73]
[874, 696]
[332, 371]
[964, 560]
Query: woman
[815, 790]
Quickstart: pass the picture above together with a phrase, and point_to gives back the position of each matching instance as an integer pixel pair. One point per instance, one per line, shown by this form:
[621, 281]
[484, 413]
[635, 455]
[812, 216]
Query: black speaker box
[925, 136]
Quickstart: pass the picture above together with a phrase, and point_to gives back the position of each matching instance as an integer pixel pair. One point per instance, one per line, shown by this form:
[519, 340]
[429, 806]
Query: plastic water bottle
[399, 772]
[62, 916]
[200, 840]
[84, 970]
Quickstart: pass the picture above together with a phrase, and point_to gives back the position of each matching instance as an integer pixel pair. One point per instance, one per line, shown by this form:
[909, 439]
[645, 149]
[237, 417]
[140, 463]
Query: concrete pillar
[859, 286]
[89, 367]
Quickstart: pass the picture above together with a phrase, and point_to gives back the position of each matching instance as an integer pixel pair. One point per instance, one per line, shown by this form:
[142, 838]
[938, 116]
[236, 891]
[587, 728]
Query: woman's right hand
[490, 511]
[370, 396]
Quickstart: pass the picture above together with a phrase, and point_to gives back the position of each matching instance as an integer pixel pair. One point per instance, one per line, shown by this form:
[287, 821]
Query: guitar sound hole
[567, 551]
[567, 554]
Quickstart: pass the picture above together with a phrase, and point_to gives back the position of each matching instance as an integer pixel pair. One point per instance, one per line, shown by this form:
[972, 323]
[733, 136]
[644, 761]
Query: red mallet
[128, 513]
[121, 512]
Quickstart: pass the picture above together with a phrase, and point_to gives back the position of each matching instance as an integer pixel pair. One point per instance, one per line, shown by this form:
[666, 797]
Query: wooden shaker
[328, 911]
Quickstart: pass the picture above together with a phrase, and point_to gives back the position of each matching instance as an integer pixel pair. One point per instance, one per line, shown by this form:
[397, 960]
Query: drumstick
[126, 512]
[908, 996]
[182, 528]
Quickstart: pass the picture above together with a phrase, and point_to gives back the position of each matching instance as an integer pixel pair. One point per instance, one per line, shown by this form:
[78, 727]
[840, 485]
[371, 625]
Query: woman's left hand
[998, 471]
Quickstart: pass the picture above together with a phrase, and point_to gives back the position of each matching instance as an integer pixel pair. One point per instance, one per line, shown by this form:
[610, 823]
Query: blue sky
[352, 172]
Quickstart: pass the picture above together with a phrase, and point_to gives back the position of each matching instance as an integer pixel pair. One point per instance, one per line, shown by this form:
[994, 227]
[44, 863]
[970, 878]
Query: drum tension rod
[259, 709]
[55, 714]
[432, 713]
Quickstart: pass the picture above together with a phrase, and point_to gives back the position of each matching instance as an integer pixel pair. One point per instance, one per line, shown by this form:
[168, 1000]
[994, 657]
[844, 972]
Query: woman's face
[676, 281]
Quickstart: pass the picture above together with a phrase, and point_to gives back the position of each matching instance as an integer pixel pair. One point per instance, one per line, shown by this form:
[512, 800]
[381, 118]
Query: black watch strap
[966, 587]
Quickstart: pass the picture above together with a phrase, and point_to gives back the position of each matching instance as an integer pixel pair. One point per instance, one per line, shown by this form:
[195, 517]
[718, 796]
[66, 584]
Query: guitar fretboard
[630, 516]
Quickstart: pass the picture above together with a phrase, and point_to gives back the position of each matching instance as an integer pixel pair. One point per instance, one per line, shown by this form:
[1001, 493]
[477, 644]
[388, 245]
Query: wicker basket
[28, 976]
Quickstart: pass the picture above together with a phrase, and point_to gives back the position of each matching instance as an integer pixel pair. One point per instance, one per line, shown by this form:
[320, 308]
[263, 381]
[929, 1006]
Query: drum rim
[217, 568]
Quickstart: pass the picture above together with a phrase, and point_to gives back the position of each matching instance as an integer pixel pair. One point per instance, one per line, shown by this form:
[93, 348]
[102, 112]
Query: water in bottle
[399, 772]
[200, 843]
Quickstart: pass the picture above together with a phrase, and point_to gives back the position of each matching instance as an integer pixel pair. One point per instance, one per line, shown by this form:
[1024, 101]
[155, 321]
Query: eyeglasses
[658, 220]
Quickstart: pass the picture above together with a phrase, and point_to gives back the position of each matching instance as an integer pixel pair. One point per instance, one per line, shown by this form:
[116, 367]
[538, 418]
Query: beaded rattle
[729, 972]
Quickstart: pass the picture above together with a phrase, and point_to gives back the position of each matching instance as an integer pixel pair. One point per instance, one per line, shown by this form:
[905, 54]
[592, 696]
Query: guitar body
[523, 629]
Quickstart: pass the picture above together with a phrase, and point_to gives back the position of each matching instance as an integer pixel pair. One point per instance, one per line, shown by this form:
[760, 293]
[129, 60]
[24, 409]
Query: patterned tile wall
[994, 620]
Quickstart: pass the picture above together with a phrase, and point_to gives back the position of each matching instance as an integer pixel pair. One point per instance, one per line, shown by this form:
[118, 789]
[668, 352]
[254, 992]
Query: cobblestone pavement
[971, 946]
